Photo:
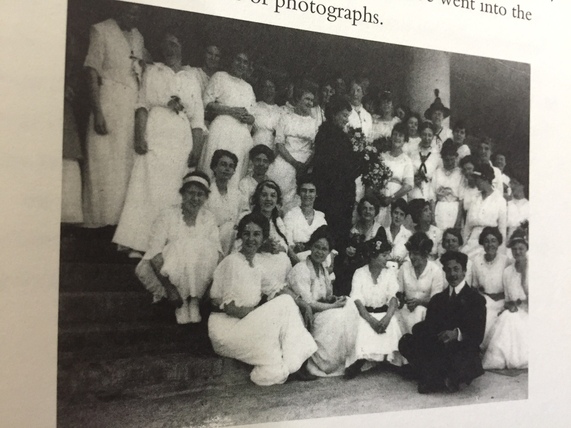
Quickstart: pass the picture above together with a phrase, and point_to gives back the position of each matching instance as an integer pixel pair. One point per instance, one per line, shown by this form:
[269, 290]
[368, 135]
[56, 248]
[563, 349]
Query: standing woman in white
[267, 114]
[114, 71]
[168, 135]
[231, 99]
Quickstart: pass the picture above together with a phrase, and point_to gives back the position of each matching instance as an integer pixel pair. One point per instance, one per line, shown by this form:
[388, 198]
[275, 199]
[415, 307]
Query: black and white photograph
[265, 224]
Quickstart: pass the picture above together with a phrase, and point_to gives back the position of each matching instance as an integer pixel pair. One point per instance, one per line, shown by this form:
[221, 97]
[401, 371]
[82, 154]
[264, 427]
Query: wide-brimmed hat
[437, 105]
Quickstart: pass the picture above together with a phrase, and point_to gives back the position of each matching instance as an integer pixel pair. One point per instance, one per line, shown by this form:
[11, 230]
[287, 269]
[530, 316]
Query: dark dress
[458, 361]
[335, 168]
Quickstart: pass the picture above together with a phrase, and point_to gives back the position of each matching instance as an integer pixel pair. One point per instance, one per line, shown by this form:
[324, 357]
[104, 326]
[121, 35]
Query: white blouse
[297, 133]
[230, 91]
[160, 83]
[361, 118]
[399, 249]
[447, 185]
[226, 208]
[267, 117]
[513, 288]
[425, 286]
[491, 211]
[403, 172]
[373, 293]
[298, 229]
[489, 275]
[303, 280]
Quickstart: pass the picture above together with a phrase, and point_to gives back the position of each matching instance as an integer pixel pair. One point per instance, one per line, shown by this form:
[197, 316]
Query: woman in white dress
[488, 208]
[261, 157]
[422, 217]
[459, 137]
[518, 207]
[311, 282]
[168, 135]
[413, 123]
[385, 121]
[270, 336]
[225, 202]
[397, 234]
[374, 294]
[487, 271]
[446, 188]
[300, 222]
[425, 160]
[402, 179]
[183, 251]
[230, 99]
[114, 70]
[295, 138]
[266, 114]
[508, 345]
[419, 279]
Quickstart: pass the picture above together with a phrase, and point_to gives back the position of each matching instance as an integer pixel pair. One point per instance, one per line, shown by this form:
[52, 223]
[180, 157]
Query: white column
[427, 70]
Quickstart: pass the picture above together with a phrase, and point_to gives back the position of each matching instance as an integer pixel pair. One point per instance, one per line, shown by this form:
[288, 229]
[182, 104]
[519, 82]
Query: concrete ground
[372, 392]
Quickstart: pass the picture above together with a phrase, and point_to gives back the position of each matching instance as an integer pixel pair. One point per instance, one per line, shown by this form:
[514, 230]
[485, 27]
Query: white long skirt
[156, 177]
[372, 346]
[71, 210]
[110, 157]
[272, 338]
[229, 134]
[493, 308]
[408, 319]
[284, 174]
[508, 345]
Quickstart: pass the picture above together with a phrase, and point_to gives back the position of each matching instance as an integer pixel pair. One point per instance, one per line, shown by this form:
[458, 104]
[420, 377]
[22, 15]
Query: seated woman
[225, 202]
[365, 228]
[419, 279]
[374, 293]
[310, 281]
[396, 233]
[270, 336]
[422, 216]
[507, 347]
[487, 271]
[183, 252]
[261, 157]
[300, 222]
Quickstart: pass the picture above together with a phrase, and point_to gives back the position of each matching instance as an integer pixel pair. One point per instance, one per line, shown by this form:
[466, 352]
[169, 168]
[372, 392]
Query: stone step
[137, 377]
[98, 277]
[109, 338]
[107, 306]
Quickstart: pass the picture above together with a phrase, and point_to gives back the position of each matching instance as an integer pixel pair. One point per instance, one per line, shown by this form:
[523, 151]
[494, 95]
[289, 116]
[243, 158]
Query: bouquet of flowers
[374, 173]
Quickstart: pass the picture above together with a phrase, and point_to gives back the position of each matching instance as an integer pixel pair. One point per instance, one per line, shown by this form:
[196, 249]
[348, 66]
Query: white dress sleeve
[193, 107]
[359, 278]
[408, 173]
[299, 280]
[159, 234]
[96, 52]
[214, 90]
[437, 282]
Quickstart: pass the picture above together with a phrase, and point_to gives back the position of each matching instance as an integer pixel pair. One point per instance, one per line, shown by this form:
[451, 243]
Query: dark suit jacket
[467, 312]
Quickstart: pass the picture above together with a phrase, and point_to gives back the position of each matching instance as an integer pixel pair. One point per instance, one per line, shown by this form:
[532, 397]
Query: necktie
[453, 295]
[423, 159]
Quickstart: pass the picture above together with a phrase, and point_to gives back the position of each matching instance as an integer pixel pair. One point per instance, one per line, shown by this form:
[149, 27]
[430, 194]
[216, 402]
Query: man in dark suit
[444, 349]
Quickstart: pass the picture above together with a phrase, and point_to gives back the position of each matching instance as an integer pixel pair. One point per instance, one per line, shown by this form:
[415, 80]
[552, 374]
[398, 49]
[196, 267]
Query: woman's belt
[372, 310]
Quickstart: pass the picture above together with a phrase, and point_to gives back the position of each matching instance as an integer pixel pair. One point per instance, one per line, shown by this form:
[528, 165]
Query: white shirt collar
[458, 288]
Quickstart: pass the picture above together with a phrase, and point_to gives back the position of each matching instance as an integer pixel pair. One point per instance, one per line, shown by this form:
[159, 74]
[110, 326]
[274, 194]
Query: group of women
[308, 271]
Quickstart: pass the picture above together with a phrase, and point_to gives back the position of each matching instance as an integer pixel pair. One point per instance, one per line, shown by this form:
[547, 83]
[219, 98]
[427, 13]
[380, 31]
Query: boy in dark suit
[444, 349]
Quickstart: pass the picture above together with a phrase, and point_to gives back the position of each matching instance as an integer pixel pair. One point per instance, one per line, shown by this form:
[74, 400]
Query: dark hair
[262, 149]
[461, 258]
[519, 236]
[449, 147]
[415, 115]
[460, 124]
[401, 129]
[415, 208]
[419, 242]
[400, 203]
[322, 232]
[496, 154]
[200, 174]
[468, 159]
[374, 247]
[302, 89]
[255, 218]
[258, 87]
[424, 125]
[219, 154]
[336, 104]
[454, 231]
[304, 179]
[255, 202]
[488, 230]
[485, 172]
[370, 199]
